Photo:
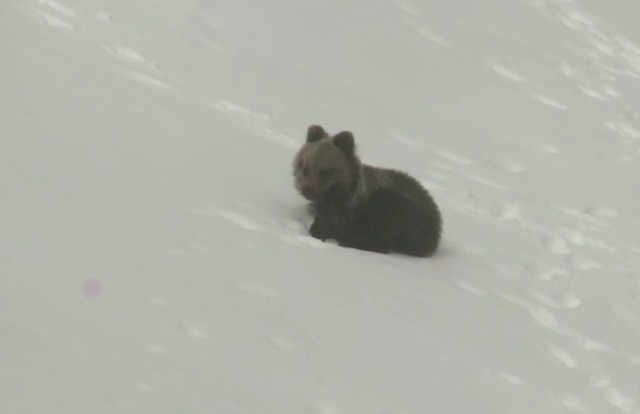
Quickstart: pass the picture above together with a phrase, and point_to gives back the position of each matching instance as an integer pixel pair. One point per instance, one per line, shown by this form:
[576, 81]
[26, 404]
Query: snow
[154, 256]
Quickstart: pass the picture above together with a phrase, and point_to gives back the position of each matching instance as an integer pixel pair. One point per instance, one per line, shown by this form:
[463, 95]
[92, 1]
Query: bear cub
[360, 206]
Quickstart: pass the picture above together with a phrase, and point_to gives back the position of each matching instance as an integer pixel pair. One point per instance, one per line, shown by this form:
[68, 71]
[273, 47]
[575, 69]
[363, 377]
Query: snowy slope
[154, 256]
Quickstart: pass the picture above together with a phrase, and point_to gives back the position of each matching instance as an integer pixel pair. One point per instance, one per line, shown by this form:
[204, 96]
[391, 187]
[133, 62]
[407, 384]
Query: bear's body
[361, 206]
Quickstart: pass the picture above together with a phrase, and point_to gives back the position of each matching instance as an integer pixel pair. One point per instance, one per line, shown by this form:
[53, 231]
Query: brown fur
[361, 206]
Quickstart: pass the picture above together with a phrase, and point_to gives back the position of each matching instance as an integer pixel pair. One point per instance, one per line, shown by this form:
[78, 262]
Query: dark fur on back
[361, 206]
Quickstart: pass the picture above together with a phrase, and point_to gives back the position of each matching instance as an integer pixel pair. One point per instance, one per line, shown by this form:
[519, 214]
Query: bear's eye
[305, 171]
[325, 173]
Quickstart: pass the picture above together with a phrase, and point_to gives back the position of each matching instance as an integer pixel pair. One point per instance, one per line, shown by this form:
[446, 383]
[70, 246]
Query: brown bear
[361, 206]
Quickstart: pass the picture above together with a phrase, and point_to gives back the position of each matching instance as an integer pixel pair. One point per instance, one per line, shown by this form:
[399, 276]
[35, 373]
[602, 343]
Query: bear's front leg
[321, 228]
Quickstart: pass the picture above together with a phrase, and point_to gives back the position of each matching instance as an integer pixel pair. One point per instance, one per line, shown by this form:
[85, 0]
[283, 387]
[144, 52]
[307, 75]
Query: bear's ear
[315, 133]
[344, 140]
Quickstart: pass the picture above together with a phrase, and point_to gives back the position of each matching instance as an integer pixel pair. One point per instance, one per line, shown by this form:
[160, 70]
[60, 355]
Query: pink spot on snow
[92, 288]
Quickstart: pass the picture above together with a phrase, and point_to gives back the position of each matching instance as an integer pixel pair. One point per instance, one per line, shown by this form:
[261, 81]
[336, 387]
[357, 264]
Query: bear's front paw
[319, 230]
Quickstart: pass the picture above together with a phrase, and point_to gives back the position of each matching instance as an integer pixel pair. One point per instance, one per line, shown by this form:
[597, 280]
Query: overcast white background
[154, 256]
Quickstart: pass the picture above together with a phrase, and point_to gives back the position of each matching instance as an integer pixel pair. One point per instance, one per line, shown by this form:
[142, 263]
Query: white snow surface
[154, 255]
